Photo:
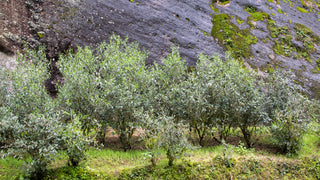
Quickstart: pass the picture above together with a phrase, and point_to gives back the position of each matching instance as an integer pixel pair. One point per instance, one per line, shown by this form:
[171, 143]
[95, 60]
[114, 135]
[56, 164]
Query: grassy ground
[10, 168]
[212, 162]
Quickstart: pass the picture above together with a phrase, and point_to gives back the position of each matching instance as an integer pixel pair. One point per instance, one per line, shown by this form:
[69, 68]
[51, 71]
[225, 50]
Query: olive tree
[289, 111]
[37, 136]
[25, 85]
[162, 115]
[234, 96]
[162, 132]
[106, 86]
[79, 91]
[22, 88]
[223, 94]
[30, 121]
[246, 100]
[40, 136]
[164, 80]
[194, 98]
[210, 78]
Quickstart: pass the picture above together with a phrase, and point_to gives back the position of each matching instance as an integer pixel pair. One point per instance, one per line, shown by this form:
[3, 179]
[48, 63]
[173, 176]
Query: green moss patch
[231, 37]
[275, 31]
[239, 21]
[282, 45]
[305, 34]
[215, 9]
[283, 41]
[308, 38]
[303, 10]
[259, 16]
[280, 11]
[223, 2]
[255, 15]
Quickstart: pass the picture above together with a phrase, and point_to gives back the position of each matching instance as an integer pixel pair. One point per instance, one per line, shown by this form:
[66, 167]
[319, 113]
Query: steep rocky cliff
[267, 34]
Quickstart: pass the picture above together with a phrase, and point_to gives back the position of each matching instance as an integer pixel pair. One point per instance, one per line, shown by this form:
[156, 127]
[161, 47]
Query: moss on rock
[223, 2]
[303, 10]
[231, 37]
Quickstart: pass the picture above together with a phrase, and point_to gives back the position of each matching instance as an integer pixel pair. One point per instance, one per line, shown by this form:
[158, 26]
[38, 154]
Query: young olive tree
[35, 135]
[123, 72]
[193, 98]
[22, 88]
[163, 109]
[162, 132]
[40, 136]
[164, 82]
[25, 89]
[210, 75]
[197, 111]
[290, 113]
[231, 95]
[79, 91]
[245, 99]
[106, 85]
[30, 121]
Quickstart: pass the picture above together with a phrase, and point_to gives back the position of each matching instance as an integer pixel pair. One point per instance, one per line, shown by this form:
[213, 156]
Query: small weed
[242, 150]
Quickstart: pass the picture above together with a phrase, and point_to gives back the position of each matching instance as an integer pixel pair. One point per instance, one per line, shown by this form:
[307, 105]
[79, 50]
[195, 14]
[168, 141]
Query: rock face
[14, 18]
[266, 34]
[155, 24]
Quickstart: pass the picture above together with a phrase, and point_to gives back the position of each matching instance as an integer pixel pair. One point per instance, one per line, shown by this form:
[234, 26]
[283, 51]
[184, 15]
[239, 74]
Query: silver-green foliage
[75, 143]
[30, 120]
[25, 85]
[37, 135]
[161, 116]
[165, 84]
[243, 100]
[80, 86]
[219, 94]
[106, 86]
[163, 132]
[194, 97]
[290, 113]
[40, 136]
[3, 86]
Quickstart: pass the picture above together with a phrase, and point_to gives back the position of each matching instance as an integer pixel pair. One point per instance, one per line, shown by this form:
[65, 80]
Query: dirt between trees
[112, 142]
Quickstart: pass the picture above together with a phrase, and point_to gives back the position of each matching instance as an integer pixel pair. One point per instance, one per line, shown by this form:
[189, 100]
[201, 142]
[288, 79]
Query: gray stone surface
[158, 24]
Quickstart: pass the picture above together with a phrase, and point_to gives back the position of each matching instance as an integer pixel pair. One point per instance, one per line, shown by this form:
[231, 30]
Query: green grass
[10, 168]
[311, 145]
[216, 162]
[110, 161]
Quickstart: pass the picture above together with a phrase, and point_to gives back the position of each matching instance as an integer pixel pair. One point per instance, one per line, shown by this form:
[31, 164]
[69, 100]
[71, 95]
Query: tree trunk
[170, 157]
[201, 135]
[153, 160]
[125, 141]
[247, 136]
